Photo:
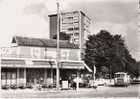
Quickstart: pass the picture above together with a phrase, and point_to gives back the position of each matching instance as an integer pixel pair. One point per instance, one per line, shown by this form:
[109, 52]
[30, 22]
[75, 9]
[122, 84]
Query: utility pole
[58, 49]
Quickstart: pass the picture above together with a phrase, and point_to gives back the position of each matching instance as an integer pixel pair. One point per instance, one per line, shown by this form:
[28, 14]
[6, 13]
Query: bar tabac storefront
[30, 61]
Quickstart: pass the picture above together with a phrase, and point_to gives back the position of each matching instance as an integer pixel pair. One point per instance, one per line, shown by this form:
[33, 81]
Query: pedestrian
[73, 85]
[95, 86]
[40, 83]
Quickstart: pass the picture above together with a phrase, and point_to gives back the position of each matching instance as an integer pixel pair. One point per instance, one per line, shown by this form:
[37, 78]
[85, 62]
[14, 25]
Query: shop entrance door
[35, 76]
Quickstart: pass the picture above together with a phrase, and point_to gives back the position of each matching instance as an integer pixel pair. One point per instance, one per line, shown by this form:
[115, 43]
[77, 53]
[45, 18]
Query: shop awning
[12, 63]
[63, 65]
[42, 64]
[15, 63]
[74, 65]
[90, 70]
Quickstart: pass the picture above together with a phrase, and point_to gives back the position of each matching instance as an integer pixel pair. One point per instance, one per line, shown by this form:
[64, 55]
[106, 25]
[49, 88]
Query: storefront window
[3, 75]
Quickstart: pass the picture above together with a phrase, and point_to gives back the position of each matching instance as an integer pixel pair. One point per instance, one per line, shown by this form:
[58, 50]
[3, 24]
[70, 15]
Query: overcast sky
[30, 18]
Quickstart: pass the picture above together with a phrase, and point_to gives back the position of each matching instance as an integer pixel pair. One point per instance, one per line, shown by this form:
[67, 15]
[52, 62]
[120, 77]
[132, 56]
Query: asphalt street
[102, 91]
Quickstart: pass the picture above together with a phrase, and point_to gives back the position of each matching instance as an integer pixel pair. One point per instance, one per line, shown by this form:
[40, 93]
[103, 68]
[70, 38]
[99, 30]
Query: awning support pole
[45, 76]
[24, 76]
[18, 70]
[77, 81]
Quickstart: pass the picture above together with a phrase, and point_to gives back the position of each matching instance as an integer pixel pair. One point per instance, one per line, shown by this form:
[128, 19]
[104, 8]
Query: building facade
[33, 61]
[75, 23]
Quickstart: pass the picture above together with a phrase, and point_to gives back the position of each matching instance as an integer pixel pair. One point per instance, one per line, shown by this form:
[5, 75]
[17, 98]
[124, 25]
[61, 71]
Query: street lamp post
[58, 49]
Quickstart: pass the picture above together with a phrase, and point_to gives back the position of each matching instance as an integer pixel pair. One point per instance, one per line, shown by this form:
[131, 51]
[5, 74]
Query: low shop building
[33, 61]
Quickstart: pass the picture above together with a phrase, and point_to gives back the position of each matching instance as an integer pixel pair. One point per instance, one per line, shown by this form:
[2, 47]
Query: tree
[137, 69]
[62, 36]
[104, 49]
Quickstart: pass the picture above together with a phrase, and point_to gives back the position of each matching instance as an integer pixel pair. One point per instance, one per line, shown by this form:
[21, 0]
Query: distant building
[74, 23]
[32, 59]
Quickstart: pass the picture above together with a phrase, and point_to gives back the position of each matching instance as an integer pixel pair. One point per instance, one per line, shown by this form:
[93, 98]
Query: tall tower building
[75, 23]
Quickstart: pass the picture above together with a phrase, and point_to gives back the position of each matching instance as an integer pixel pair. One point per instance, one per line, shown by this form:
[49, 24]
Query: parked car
[82, 82]
[135, 80]
[100, 82]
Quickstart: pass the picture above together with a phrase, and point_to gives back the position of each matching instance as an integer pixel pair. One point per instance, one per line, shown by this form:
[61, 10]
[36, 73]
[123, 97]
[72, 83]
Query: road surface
[102, 91]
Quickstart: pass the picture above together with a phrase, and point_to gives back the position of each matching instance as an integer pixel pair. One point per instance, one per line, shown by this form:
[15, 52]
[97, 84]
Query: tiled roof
[37, 42]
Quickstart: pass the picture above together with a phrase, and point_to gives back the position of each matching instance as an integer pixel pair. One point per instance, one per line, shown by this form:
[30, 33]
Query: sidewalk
[31, 93]
[102, 91]
[51, 90]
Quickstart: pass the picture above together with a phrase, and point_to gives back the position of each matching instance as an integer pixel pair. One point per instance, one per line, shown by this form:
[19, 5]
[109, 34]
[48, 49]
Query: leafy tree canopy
[104, 49]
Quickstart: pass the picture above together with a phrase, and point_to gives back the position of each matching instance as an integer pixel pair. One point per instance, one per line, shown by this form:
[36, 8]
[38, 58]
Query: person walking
[95, 85]
[40, 83]
[73, 85]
